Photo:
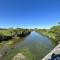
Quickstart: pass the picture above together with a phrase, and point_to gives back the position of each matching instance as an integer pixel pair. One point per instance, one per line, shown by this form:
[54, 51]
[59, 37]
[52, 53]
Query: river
[35, 46]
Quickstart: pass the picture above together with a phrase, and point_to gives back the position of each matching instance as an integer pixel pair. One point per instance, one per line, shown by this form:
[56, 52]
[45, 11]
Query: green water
[34, 47]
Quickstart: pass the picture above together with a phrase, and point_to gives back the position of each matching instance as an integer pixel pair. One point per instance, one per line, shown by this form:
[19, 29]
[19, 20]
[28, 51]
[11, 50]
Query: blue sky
[29, 13]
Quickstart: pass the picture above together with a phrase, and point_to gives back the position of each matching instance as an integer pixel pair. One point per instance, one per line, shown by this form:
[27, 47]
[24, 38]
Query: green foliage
[53, 33]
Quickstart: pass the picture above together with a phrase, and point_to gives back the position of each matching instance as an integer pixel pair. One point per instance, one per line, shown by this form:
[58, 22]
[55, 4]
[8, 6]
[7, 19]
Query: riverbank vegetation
[53, 33]
[11, 36]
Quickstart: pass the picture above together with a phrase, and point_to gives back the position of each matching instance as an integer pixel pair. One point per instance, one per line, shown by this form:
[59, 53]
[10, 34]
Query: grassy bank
[53, 33]
[10, 37]
[6, 34]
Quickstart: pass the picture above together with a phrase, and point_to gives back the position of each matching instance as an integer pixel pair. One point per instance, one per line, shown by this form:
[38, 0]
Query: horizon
[29, 13]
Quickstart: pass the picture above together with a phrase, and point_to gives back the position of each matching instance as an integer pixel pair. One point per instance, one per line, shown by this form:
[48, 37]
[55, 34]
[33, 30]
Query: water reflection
[36, 44]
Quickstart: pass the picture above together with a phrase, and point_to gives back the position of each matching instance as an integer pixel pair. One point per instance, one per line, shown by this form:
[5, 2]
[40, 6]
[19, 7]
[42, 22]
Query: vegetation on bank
[11, 36]
[53, 33]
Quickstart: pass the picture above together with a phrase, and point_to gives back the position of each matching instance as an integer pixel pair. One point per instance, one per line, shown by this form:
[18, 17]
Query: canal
[34, 46]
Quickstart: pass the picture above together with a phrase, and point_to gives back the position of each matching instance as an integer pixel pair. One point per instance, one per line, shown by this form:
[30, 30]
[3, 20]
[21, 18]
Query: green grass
[1, 45]
[5, 32]
[50, 35]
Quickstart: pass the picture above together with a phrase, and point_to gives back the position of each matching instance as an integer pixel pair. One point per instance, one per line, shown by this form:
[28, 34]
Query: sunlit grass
[10, 43]
[1, 45]
[5, 32]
